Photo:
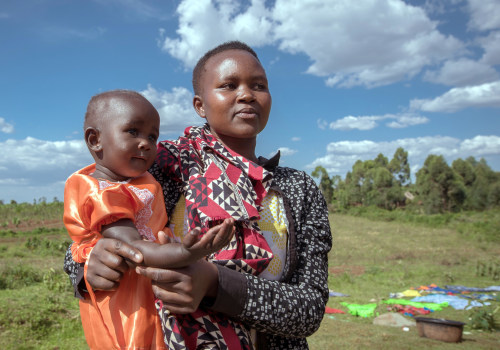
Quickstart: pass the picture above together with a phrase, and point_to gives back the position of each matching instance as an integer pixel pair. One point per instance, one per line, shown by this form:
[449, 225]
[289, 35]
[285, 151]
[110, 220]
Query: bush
[14, 277]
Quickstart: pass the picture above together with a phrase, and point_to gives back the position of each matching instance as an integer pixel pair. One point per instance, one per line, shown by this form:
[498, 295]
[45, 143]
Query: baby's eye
[132, 132]
[153, 138]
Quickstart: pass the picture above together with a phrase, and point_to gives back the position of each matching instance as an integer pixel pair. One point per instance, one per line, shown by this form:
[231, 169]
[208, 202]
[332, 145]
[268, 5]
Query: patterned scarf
[217, 184]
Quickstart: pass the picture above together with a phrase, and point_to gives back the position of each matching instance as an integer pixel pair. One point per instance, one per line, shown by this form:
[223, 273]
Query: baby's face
[128, 137]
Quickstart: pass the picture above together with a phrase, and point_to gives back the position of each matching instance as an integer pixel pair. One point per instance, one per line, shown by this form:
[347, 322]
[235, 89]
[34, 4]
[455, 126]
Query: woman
[282, 306]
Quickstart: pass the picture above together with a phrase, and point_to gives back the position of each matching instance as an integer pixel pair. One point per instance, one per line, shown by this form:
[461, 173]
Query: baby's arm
[172, 255]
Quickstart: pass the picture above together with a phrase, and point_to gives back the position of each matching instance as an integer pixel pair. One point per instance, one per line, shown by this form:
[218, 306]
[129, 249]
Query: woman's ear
[198, 106]
[93, 139]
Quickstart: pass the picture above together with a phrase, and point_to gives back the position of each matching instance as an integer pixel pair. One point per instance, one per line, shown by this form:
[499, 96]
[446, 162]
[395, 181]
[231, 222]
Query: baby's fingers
[224, 234]
[191, 238]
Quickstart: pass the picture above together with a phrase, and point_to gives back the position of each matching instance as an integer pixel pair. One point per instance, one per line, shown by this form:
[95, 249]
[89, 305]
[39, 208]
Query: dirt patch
[402, 256]
[28, 225]
[355, 270]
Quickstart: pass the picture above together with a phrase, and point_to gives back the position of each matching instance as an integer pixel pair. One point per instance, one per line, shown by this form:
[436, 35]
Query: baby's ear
[93, 139]
[198, 106]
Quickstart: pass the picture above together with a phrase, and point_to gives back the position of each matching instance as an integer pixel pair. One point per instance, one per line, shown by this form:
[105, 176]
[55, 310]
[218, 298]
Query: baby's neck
[105, 174]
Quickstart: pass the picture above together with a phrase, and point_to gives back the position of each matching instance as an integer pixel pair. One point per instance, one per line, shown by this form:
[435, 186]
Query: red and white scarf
[217, 184]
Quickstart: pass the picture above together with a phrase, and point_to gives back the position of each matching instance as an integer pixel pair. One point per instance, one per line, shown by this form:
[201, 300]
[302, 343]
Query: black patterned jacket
[284, 312]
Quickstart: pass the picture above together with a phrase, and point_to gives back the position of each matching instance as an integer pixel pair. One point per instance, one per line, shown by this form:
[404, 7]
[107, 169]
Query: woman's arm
[294, 307]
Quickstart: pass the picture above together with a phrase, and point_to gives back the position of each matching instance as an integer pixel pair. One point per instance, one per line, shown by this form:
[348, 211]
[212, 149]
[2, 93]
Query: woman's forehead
[232, 62]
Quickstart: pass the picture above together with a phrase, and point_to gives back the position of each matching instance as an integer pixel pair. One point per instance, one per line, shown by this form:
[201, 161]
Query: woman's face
[234, 96]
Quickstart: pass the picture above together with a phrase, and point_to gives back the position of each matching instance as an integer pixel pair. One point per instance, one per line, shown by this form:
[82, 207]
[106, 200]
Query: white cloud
[350, 123]
[33, 168]
[285, 151]
[440, 6]
[482, 145]
[361, 42]
[491, 46]
[296, 139]
[6, 127]
[175, 109]
[462, 72]
[137, 8]
[204, 23]
[340, 156]
[405, 120]
[485, 95]
[370, 122]
[350, 43]
[322, 124]
[56, 33]
[485, 14]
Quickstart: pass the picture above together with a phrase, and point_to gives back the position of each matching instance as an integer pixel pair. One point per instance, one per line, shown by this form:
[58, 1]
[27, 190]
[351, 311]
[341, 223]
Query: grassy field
[370, 260]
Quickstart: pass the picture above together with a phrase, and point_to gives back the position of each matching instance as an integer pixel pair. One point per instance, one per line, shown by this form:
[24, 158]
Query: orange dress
[125, 318]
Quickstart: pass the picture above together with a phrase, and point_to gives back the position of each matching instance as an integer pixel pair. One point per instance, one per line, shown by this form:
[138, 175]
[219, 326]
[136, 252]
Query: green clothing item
[366, 310]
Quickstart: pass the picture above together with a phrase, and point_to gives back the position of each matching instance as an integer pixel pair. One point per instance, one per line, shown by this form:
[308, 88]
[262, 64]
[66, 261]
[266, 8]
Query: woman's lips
[247, 113]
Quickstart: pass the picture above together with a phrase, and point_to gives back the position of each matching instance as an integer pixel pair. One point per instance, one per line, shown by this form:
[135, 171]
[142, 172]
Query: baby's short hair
[94, 102]
[200, 66]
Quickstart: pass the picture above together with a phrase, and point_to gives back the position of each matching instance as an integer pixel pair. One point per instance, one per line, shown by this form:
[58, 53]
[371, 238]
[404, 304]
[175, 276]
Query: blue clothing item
[454, 301]
[474, 289]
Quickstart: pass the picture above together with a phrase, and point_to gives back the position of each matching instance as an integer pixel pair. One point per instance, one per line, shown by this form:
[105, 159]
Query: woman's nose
[245, 93]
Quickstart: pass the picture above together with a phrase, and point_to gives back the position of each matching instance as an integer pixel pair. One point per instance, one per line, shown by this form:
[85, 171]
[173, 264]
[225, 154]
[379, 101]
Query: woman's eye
[261, 87]
[132, 132]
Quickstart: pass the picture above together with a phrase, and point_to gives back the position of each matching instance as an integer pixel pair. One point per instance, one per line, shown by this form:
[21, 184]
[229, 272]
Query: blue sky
[349, 79]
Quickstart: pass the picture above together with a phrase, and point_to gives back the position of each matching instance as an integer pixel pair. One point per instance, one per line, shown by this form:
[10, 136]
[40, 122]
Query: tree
[479, 191]
[325, 184]
[465, 170]
[399, 166]
[438, 186]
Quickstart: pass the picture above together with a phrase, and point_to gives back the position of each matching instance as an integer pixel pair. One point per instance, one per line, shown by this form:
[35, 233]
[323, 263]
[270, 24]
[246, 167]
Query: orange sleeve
[87, 209]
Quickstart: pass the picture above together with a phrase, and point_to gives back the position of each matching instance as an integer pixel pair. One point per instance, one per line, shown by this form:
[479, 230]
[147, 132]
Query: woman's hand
[182, 289]
[107, 263]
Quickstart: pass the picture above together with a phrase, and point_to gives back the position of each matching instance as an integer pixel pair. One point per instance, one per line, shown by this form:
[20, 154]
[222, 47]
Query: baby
[117, 198]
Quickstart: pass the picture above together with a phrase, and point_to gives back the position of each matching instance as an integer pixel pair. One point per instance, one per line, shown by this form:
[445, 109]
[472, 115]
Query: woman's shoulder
[286, 174]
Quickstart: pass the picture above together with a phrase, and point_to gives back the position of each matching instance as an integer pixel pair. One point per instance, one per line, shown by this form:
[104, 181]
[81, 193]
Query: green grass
[370, 259]
[22, 215]
[37, 307]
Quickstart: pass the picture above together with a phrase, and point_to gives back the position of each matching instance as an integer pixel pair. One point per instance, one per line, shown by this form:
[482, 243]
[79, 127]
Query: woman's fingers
[158, 275]
[107, 263]
[100, 283]
[182, 290]
[124, 250]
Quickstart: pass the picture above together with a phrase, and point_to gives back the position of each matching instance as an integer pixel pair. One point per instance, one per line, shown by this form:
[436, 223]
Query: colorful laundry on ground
[475, 289]
[411, 293]
[430, 306]
[409, 310]
[366, 310]
[482, 296]
[336, 294]
[454, 301]
[330, 310]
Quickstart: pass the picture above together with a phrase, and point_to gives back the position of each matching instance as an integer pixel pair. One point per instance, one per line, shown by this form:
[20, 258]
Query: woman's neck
[244, 147]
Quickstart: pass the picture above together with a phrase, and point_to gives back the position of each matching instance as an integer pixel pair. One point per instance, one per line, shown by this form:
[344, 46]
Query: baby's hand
[213, 240]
